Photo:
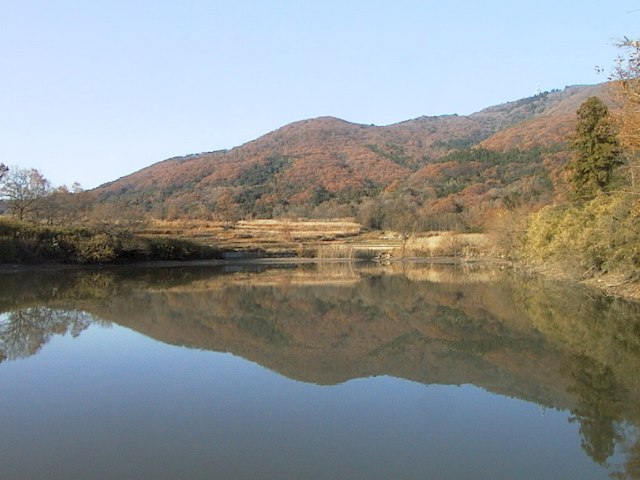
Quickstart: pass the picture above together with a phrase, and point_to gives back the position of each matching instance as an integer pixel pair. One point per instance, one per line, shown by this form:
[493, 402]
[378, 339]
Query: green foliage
[493, 158]
[394, 152]
[596, 150]
[320, 195]
[498, 169]
[461, 143]
[452, 186]
[259, 182]
[248, 197]
[262, 173]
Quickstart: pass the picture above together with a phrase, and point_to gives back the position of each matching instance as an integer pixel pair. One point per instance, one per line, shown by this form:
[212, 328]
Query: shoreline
[249, 260]
[610, 284]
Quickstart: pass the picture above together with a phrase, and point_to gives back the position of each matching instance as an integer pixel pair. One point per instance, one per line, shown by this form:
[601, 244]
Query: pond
[316, 371]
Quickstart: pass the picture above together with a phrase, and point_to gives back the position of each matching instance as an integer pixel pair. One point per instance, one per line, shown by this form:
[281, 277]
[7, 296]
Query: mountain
[444, 167]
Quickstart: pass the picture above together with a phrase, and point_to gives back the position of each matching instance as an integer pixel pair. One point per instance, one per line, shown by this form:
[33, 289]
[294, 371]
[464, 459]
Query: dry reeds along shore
[322, 239]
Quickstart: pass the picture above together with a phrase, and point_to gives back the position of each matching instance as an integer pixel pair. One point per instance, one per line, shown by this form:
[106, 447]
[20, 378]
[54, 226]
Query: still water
[328, 371]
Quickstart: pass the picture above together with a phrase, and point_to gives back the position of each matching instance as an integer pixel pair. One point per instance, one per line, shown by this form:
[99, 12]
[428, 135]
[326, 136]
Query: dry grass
[258, 228]
[289, 230]
[323, 239]
[301, 237]
[346, 251]
[447, 244]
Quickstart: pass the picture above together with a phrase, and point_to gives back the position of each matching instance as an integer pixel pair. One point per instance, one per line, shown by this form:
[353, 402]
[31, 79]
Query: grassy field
[30, 243]
[341, 238]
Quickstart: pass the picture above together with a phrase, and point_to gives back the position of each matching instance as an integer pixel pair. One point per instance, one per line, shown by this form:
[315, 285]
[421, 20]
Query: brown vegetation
[329, 239]
[22, 242]
[450, 171]
[594, 235]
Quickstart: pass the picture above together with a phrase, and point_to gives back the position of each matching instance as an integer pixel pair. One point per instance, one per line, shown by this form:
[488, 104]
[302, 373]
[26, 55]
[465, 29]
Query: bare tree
[626, 84]
[64, 206]
[626, 78]
[400, 215]
[24, 190]
[3, 170]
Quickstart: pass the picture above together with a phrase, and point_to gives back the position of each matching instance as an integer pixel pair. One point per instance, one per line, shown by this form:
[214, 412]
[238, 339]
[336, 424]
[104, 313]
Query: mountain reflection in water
[560, 347]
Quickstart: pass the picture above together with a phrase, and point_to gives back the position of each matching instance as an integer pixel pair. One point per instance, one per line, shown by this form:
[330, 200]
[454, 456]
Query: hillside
[451, 169]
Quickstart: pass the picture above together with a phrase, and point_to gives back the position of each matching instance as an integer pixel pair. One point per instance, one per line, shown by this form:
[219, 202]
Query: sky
[91, 91]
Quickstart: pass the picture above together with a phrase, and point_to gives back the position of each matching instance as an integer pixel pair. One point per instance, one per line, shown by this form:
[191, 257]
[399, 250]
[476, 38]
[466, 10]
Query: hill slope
[329, 167]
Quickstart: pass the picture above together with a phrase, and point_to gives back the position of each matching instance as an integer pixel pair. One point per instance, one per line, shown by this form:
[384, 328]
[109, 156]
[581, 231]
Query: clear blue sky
[92, 90]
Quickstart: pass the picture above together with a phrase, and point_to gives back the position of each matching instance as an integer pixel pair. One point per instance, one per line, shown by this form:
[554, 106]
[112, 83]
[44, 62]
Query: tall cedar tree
[596, 150]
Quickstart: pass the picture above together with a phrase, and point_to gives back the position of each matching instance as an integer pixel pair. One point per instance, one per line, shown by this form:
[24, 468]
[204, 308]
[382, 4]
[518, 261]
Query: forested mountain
[451, 171]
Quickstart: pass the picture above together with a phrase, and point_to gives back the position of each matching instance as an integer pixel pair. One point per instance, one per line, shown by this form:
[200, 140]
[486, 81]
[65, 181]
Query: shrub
[9, 250]
[600, 235]
[32, 243]
[99, 248]
[177, 249]
[167, 249]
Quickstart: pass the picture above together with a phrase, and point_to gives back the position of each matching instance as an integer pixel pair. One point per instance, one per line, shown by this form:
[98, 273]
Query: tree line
[27, 195]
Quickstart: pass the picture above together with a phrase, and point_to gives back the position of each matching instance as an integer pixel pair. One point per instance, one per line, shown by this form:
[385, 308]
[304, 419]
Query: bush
[167, 249]
[177, 249]
[99, 248]
[9, 250]
[507, 230]
[600, 235]
[22, 242]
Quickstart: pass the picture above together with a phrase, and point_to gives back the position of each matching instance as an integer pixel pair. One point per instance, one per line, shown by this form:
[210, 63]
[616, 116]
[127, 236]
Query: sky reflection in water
[113, 403]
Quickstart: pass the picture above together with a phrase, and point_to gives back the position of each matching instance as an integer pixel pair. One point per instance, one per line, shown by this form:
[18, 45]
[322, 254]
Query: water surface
[316, 371]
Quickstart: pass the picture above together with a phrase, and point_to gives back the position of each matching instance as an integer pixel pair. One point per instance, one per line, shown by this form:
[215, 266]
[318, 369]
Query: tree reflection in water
[525, 337]
[24, 332]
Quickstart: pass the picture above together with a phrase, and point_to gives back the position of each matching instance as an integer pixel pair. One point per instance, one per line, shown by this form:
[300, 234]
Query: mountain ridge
[327, 166]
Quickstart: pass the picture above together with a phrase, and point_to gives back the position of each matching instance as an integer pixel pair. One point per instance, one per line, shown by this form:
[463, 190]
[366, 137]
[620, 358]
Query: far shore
[271, 242]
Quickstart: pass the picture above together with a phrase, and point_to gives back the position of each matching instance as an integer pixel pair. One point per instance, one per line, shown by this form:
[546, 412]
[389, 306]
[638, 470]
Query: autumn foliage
[453, 172]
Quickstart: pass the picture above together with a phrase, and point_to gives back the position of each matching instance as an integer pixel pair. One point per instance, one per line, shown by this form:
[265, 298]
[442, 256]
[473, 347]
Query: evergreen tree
[596, 150]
